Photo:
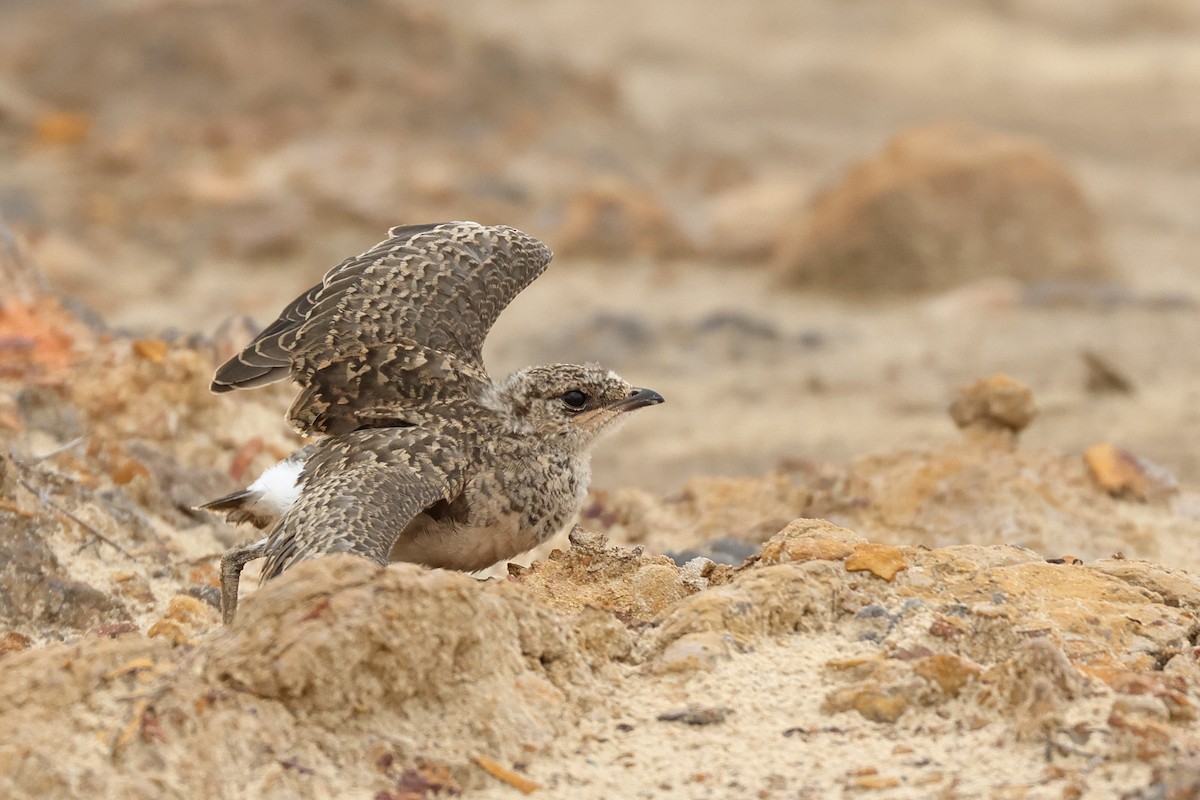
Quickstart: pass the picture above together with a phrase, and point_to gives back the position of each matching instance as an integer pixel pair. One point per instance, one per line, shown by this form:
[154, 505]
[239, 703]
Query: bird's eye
[574, 400]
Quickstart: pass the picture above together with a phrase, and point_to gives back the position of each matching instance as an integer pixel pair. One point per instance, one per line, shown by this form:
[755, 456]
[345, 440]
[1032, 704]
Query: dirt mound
[614, 219]
[941, 206]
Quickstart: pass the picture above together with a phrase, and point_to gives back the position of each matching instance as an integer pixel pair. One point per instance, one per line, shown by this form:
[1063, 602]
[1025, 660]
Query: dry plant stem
[44, 499]
[58, 450]
[114, 511]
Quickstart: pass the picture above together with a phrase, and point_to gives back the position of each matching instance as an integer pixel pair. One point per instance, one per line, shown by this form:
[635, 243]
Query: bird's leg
[231, 573]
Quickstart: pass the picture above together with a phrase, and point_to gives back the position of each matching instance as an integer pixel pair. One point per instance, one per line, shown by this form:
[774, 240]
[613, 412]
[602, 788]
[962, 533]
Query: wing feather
[366, 335]
[359, 491]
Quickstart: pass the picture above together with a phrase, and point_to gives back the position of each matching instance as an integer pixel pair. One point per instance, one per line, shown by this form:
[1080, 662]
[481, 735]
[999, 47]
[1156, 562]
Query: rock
[614, 219]
[694, 652]
[941, 206]
[1124, 475]
[384, 681]
[949, 672]
[62, 128]
[995, 403]
[186, 618]
[42, 340]
[881, 560]
[152, 350]
[869, 779]
[872, 704]
[725, 550]
[424, 780]
[808, 540]
[1103, 377]
[745, 221]
[696, 716]
[41, 408]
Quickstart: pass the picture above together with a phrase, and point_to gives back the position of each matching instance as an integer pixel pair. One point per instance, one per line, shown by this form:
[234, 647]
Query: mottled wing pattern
[360, 490]
[394, 328]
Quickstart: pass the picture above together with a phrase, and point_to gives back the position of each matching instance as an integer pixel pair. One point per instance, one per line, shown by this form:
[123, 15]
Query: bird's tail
[241, 506]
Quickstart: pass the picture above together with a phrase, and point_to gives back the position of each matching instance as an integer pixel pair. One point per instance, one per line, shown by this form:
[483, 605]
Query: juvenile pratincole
[422, 457]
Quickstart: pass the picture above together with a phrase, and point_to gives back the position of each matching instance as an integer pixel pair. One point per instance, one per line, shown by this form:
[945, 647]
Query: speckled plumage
[392, 329]
[423, 457]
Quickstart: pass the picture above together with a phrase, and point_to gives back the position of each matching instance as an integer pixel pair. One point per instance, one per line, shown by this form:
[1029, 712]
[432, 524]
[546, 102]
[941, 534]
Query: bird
[419, 455]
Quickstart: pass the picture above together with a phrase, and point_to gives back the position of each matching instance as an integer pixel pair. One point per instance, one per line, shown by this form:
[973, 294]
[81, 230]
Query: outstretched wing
[394, 328]
[359, 491]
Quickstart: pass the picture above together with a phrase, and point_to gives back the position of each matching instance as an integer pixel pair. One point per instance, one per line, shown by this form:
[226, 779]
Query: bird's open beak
[638, 398]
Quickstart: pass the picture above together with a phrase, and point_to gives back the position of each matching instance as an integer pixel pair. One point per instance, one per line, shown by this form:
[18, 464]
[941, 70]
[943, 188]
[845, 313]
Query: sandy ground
[211, 161]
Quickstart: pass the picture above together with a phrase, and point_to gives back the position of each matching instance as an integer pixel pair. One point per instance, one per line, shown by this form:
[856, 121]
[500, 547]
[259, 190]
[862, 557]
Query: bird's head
[577, 402]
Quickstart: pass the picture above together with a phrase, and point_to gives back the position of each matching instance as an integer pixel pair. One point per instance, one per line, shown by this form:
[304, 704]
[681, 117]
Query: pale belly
[468, 549]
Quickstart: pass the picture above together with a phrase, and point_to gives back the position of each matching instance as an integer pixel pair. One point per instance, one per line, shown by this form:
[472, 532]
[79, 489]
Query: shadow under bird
[422, 457]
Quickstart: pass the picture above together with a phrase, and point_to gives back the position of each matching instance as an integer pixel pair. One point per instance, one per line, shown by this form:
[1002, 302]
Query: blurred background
[804, 223]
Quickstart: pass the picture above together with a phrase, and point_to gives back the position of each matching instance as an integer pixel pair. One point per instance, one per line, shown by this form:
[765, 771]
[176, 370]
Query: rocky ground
[919, 518]
[799, 633]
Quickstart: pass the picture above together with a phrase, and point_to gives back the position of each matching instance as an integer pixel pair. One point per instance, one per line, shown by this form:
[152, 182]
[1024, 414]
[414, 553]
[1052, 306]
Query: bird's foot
[232, 562]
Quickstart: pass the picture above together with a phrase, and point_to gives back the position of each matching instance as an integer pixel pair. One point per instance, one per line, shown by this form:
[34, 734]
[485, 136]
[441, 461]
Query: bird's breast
[508, 512]
[469, 548]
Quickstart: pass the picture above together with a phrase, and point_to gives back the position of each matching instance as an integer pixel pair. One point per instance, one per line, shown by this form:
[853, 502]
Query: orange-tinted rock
[943, 205]
[62, 128]
[1124, 475]
[872, 704]
[881, 560]
[41, 339]
[995, 403]
[745, 221]
[185, 619]
[11, 642]
[613, 219]
[809, 540]
[871, 780]
[949, 672]
[152, 350]
[780, 551]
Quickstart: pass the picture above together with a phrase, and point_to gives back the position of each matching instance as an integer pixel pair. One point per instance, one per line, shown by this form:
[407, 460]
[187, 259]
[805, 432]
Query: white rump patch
[278, 488]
